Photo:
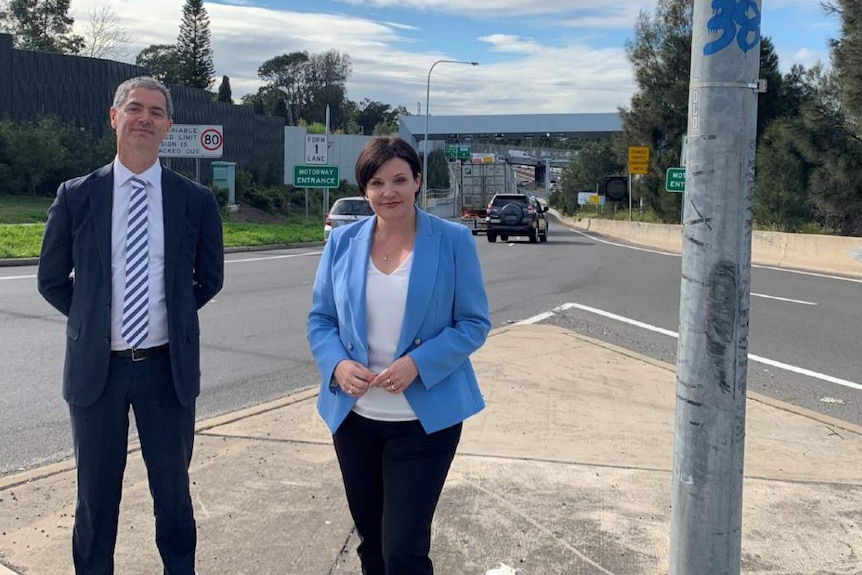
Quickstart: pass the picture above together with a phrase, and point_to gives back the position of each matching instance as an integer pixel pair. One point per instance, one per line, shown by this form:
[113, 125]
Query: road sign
[193, 141]
[316, 149]
[457, 152]
[639, 160]
[315, 176]
[675, 180]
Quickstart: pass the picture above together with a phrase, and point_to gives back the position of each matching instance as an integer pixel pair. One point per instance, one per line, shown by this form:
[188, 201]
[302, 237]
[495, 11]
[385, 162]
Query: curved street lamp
[425, 146]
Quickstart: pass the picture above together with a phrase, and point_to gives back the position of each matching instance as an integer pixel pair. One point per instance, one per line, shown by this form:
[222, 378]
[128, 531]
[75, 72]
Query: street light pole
[425, 142]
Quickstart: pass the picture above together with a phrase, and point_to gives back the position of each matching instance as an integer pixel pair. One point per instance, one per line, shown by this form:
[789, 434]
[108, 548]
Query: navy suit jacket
[77, 239]
[445, 319]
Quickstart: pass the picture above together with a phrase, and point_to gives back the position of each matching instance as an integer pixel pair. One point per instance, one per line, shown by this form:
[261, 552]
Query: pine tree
[224, 93]
[194, 51]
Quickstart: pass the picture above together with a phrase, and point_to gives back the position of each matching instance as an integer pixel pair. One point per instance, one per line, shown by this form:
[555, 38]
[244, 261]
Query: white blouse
[385, 302]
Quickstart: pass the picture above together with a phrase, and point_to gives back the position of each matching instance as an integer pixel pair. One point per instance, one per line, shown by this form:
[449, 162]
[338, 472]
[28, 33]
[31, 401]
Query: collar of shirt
[122, 174]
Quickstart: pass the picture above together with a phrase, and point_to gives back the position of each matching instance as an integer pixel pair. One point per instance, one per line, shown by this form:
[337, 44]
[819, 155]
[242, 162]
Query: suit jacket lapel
[101, 205]
[172, 212]
[426, 256]
[357, 276]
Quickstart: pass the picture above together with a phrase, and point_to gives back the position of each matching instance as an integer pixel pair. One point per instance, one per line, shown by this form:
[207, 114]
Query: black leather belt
[141, 354]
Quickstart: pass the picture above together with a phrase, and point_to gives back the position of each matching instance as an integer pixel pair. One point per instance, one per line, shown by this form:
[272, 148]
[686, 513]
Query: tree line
[808, 175]
[809, 165]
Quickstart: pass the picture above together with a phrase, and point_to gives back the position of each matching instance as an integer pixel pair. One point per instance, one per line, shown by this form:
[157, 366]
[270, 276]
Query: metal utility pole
[712, 358]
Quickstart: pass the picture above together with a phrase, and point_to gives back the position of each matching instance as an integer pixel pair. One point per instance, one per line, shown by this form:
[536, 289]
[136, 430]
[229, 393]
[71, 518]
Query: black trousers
[393, 476]
[100, 436]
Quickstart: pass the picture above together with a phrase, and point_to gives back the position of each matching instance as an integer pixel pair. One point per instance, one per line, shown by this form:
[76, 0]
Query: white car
[346, 211]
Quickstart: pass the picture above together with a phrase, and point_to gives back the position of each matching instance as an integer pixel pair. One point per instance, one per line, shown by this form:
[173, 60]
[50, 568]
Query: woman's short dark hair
[380, 150]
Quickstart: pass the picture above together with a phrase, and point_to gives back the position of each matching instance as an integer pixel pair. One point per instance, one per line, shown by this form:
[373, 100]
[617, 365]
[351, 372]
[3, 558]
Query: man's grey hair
[143, 82]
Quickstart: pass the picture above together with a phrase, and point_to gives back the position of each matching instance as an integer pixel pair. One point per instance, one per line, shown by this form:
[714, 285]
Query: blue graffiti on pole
[732, 20]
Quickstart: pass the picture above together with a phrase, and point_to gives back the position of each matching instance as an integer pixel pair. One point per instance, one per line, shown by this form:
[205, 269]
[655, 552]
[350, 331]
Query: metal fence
[77, 91]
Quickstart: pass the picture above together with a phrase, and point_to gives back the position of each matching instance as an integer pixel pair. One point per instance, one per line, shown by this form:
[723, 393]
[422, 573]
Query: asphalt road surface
[804, 339]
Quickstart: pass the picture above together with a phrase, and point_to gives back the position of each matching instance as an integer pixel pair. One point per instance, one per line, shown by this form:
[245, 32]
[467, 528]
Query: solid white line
[624, 319]
[763, 267]
[260, 259]
[636, 248]
[799, 301]
[751, 356]
[536, 318]
[281, 257]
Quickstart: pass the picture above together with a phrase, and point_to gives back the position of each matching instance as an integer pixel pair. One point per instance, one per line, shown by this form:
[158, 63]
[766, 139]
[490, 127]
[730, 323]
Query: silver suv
[346, 211]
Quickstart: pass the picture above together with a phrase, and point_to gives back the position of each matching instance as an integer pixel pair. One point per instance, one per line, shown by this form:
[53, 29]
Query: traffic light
[616, 188]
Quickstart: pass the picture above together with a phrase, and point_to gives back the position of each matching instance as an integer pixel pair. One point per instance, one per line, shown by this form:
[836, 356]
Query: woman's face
[391, 191]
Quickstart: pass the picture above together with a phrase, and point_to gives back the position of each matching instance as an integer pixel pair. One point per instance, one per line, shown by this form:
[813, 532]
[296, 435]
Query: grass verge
[25, 240]
[23, 209]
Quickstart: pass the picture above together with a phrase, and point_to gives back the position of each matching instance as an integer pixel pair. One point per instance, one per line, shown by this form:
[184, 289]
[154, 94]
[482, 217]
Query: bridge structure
[480, 131]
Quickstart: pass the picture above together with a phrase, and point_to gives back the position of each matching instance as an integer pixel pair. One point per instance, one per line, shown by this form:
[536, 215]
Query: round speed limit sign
[212, 140]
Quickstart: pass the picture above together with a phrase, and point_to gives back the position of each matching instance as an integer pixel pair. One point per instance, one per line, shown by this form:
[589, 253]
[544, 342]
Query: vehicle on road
[346, 211]
[480, 181]
[517, 215]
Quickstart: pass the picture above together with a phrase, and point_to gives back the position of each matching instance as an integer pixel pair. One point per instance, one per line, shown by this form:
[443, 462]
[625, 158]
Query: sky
[535, 56]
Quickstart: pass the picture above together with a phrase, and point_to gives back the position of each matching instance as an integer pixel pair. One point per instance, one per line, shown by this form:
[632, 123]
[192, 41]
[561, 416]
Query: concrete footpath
[567, 471]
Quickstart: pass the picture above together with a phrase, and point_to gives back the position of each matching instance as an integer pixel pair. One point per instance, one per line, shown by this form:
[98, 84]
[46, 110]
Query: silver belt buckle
[135, 355]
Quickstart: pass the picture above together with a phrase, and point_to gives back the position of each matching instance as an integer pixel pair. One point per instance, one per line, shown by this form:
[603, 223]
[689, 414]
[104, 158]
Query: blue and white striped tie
[136, 299]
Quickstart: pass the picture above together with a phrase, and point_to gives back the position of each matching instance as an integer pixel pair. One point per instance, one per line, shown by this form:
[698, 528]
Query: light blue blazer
[445, 320]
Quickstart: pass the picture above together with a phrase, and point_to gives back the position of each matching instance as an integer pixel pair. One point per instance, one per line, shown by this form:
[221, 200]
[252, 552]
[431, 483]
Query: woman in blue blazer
[398, 307]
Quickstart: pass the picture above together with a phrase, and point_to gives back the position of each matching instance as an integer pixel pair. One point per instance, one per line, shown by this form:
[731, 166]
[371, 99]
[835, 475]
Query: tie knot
[138, 183]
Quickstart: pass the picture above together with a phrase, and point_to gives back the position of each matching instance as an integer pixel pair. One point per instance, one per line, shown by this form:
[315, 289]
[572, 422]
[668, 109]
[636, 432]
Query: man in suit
[130, 253]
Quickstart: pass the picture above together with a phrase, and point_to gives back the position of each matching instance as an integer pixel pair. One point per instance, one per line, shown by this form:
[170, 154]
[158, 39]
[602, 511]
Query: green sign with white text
[315, 176]
[457, 152]
[675, 180]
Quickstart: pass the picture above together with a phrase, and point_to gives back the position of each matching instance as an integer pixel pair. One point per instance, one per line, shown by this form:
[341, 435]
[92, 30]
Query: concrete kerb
[811, 252]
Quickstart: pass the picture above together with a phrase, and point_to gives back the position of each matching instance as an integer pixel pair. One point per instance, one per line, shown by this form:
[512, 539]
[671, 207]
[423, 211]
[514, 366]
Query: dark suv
[517, 215]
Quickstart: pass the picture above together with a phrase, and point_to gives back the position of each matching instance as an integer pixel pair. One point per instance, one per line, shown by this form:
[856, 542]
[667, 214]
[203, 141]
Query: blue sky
[535, 56]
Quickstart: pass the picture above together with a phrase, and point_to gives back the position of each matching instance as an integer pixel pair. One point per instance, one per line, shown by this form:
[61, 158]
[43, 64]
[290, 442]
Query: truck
[479, 183]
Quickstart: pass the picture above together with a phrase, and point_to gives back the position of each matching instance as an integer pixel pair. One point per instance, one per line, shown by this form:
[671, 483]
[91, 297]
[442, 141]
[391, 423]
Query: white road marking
[18, 277]
[281, 257]
[799, 301]
[774, 268]
[751, 356]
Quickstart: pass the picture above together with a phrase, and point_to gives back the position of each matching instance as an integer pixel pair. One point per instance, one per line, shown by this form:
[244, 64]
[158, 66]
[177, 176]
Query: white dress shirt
[158, 311]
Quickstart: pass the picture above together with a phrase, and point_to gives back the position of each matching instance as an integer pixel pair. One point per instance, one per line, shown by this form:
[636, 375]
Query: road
[805, 327]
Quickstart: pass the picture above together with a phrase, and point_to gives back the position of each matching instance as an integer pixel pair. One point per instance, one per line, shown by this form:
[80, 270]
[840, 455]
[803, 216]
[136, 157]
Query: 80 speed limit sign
[193, 141]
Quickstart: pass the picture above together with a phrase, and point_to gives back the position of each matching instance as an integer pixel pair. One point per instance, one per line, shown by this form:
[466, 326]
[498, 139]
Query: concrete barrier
[821, 253]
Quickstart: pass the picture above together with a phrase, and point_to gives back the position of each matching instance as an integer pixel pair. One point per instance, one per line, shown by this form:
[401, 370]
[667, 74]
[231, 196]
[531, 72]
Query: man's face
[141, 122]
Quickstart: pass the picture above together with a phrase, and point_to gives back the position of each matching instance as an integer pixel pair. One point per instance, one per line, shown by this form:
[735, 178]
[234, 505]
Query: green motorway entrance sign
[675, 180]
[457, 152]
[315, 176]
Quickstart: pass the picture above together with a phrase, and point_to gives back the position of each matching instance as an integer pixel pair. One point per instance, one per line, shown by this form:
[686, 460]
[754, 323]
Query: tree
[288, 74]
[43, 25]
[658, 114]
[595, 160]
[438, 171]
[162, 62]
[327, 77]
[194, 52]
[224, 93]
[104, 36]
[376, 118]
[781, 197]
[847, 60]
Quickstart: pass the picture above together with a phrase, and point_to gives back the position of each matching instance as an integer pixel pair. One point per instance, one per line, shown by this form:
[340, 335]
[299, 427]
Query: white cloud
[384, 69]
